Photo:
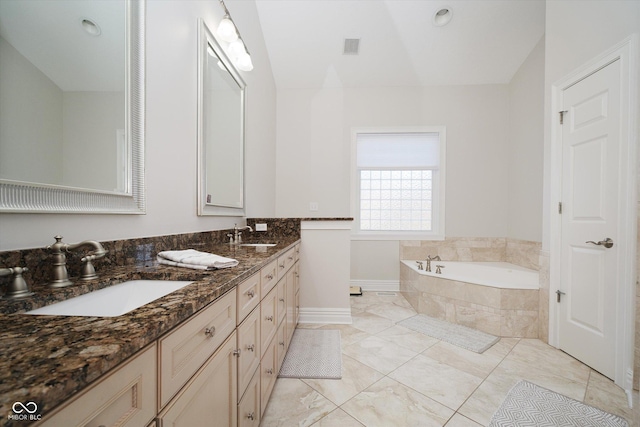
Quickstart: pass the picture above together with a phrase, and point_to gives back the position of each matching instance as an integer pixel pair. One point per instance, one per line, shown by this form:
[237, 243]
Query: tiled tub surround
[46, 359]
[498, 311]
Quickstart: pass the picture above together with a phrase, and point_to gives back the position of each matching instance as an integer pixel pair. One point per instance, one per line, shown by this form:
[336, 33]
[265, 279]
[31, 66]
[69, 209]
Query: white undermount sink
[113, 301]
[259, 245]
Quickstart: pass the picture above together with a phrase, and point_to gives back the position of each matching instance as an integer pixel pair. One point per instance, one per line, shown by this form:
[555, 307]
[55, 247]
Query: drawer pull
[295, 273]
[282, 344]
[210, 332]
[269, 371]
[251, 416]
[236, 352]
[290, 258]
[251, 347]
[269, 318]
[281, 300]
[281, 265]
[251, 294]
[269, 276]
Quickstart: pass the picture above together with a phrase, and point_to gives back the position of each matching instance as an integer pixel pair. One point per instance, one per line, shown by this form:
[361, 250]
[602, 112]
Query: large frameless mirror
[72, 106]
[221, 97]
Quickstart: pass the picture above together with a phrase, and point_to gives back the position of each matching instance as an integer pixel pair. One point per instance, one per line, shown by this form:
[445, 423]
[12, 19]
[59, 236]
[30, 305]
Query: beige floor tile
[370, 323]
[338, 418]
[604, 394]
[479, 365]
[294, 403]
[407, 338]
[356, 377]
[436, 380]
[389, 403]
[392, 312]
[348, 334]
[487, 398]
[379, 354]
[461, 421]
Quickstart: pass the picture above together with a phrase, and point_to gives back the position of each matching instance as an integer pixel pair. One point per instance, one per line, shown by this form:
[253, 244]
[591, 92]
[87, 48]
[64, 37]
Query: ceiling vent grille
[351, 46]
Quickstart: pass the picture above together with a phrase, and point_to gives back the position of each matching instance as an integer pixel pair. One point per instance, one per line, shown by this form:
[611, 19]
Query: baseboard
[325, 315]
[377, 285]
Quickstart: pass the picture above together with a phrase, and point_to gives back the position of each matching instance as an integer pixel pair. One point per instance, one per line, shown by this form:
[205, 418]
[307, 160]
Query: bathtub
[495, 297]
[495, 274]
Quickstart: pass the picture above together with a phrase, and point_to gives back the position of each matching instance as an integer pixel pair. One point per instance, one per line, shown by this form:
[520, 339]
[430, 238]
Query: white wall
[526, 143]
[171, 62]
[314, 150]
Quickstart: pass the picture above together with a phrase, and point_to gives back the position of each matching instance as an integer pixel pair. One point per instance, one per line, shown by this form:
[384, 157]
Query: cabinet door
[249, 345]
[209, 398]
[292, 279]
[127, 397]
[248, 296]
[268, 319]
[282, 344]
[281, 290]
[183, 351]
[268, 374]
[249, 406]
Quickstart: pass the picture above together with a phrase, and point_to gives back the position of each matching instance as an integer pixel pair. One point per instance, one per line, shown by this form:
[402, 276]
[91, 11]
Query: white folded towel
[191, 258]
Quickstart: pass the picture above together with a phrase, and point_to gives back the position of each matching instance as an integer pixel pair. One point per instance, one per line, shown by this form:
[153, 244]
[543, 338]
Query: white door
[590, 192]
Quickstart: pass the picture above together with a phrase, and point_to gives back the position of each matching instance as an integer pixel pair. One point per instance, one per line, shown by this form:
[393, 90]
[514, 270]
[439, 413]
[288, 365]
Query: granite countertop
[46, 359]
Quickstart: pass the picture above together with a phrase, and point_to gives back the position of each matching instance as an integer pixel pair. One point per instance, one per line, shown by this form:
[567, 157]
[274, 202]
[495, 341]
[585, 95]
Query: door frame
[626, 239]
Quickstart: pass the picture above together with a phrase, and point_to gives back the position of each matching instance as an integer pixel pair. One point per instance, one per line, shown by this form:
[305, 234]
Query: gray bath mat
[313, 353]
[459, 335]
[530, 405]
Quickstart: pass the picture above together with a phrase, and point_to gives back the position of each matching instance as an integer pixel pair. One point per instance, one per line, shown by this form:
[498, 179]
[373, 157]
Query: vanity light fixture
[237, 51]
[442, 17]
[90, 27]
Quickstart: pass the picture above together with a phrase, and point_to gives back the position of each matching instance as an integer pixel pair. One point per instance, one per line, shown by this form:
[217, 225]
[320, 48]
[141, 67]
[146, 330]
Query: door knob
[607, 243]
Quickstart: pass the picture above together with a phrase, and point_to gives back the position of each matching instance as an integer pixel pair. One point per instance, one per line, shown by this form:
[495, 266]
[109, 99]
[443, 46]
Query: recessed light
[90, 27]
[442, 17]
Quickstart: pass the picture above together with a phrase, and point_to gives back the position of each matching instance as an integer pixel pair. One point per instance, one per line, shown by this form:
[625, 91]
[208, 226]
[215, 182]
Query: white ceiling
[485, 42]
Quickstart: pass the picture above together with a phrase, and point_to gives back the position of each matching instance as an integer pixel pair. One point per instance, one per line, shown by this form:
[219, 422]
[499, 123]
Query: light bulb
[236, 49]
[226, 30]
[244, 62]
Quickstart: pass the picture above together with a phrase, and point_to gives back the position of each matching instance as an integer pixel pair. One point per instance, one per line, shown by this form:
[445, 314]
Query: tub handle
[420, 267]
[439, 269]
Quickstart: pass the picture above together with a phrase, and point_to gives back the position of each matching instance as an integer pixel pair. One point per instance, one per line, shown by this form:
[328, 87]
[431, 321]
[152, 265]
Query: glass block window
[397, 184]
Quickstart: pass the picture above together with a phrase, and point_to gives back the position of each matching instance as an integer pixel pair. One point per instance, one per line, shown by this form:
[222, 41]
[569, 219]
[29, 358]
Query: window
[399, 180]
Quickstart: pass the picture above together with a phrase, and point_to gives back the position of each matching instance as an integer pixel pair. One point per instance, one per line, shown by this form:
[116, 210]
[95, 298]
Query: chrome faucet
[18, 287]
[60, 275]
[429, 259]
[236, 237]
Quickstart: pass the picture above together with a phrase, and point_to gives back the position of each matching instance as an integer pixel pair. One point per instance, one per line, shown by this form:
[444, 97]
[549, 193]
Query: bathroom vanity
[210, 350]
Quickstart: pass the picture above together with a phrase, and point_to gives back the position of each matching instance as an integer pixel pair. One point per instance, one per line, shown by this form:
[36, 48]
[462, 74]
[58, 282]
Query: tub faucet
[18, 287]
[429, 259]
[60, 275]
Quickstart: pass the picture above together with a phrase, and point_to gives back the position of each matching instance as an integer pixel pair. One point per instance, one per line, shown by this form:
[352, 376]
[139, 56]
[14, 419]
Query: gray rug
[313, 353]
[459, 335]
[530, 405]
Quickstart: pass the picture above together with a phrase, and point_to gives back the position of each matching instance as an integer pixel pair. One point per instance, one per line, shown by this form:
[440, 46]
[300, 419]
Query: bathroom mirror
[72, 106]
[221, 94]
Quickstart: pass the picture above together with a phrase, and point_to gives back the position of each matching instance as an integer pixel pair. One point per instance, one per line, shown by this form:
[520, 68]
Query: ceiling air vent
[351, 46]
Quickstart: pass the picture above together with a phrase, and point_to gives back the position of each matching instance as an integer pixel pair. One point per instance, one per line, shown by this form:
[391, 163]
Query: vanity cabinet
[127, 397]
[217, 368]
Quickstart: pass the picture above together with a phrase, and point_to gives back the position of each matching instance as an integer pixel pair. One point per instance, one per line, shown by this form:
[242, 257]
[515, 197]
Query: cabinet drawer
[268, 278]
[126, 397]
[249, 406]
[249, 345]
[285, 262]
[248, 296]
[268, 319]
[183, 351]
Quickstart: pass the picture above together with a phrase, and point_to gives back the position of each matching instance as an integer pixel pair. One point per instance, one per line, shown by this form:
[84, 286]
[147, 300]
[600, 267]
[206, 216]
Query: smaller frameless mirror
[221, 96]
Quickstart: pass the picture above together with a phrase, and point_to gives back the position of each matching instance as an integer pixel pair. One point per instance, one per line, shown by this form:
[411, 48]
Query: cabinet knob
[281, 299]
[269, 371]
[269, 318]
[281, 265]
[251, 415]
[282, 344]
[210, 332]
[269, 276]
[290, 258]
[236, 352]
[250, 347]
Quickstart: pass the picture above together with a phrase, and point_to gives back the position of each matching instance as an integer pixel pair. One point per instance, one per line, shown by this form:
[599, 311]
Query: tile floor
[394, 377]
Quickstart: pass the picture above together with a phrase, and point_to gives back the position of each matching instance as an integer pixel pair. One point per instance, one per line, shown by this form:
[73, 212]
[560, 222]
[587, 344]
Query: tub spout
[429, 259]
